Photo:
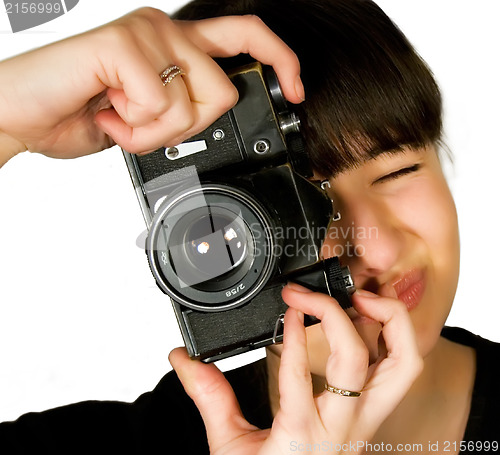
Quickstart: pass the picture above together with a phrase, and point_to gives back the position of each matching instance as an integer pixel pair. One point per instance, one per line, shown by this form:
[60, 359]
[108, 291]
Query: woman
[372, 122]
[383, 168]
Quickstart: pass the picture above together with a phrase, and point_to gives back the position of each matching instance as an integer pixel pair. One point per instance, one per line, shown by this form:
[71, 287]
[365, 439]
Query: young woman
[372, 122]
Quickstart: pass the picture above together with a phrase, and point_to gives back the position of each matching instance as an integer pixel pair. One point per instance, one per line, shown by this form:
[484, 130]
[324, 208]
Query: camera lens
[210, 247]
[215, 240]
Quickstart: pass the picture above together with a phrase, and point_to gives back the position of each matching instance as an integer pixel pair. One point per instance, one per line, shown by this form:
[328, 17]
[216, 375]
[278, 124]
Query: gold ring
[343, 392]
[168, 74]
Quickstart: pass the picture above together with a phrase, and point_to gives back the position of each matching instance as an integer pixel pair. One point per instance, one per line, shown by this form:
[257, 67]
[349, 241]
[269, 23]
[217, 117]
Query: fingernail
[365, 293]
[298, 288]
[299, 88]
[300, 317]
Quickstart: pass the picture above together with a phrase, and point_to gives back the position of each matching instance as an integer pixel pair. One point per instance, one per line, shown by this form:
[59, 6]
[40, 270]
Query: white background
[80, 315]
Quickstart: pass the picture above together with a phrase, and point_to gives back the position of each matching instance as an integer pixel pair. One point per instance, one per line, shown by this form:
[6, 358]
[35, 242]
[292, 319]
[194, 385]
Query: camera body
[232, 217]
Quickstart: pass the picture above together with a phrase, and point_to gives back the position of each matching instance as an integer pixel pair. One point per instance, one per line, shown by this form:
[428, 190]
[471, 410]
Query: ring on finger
[169, 74]
[342, 392]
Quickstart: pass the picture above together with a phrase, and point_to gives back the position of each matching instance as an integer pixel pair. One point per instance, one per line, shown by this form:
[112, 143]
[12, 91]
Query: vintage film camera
[232, 217]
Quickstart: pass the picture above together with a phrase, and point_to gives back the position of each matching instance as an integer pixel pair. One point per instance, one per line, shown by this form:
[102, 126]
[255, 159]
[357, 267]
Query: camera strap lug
[325, 185]
[278, 328]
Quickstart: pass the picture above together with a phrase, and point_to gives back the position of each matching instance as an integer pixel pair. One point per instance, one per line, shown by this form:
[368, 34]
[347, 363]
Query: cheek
[428, 212]
[338, 240]
[431, 219]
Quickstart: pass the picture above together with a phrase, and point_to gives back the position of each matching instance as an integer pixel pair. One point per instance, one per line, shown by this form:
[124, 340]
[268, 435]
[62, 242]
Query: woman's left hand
[304, 419]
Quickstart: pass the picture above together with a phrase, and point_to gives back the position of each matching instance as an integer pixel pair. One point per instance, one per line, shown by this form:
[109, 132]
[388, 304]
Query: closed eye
[399, 173]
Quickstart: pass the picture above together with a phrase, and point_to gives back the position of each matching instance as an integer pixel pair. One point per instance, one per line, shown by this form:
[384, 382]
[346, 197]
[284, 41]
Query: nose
[367, 238]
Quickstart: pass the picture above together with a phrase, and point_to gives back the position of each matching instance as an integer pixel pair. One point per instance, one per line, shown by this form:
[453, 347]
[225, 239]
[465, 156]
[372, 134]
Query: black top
[166, 421]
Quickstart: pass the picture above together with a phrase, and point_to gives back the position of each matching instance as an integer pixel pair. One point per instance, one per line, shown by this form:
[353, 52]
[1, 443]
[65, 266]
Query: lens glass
[210, 247]
[215, 244]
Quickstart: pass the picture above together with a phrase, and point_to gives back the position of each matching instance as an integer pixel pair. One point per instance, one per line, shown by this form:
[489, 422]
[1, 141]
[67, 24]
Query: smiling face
[399, 236]
[373, 92]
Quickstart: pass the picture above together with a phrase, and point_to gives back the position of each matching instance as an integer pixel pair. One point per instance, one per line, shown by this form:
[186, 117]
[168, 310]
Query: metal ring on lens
[246, 203]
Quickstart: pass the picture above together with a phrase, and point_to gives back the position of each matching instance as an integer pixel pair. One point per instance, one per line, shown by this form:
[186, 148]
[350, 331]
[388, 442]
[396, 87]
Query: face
[399, 236]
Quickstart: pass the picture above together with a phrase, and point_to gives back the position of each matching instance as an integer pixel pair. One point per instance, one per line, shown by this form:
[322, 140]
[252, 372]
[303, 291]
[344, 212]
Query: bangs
[345, 126]
[367, 90]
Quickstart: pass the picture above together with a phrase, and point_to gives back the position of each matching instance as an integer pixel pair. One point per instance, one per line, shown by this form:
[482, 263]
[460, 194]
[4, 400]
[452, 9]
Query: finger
[348, 361]
[232, 35]
[347, 365]
[177, 119]
[397, 328]
[210, 90]
[295, 383]
[138, 96]
[214, 398]
[168, 116]
[132, 114]
[370, 330]
[392, 375]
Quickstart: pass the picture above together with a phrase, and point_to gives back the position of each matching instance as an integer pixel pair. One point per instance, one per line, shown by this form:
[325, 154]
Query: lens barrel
[210, 247]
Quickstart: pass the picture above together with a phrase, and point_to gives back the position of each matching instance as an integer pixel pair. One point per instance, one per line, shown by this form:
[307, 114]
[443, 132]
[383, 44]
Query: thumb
[214, 398]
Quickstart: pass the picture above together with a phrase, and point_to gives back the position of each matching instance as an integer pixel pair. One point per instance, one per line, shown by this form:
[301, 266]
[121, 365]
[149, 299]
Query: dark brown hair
[367, 90]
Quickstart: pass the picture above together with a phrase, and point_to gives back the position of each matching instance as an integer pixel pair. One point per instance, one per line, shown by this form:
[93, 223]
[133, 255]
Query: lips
[410, 288]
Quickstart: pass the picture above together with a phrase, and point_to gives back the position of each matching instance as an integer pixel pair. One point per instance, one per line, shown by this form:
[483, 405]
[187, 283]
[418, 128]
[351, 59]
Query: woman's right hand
[86, 93]
[304, 420]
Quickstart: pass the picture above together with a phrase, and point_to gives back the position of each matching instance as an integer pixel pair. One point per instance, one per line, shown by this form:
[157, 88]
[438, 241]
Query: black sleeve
[483, 426]
[162, 421]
